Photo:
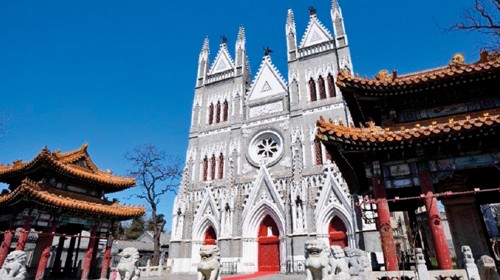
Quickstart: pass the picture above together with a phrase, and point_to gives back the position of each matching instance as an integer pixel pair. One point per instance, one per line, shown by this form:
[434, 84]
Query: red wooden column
[25, 231]
[106, 261]
[7, 240]
[433, 218]
[47, 245]
[384, 221]
[90, 252]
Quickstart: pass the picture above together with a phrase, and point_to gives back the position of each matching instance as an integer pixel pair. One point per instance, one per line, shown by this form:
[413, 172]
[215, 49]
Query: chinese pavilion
[61, 194]
[422, 138]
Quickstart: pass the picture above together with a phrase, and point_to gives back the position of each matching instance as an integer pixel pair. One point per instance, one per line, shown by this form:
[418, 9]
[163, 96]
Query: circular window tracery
[265, 148]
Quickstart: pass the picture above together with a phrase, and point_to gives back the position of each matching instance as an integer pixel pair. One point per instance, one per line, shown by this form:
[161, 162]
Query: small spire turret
[338, 24]
[203, 62]
[240, 50]
[291, 37]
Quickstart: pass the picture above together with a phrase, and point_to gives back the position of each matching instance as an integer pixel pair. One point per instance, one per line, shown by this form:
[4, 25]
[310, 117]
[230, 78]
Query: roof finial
[267, 51]
[335, 5]
[289, 19]
[223, 39]
[205, 44]
[241, 33]
[312, 10]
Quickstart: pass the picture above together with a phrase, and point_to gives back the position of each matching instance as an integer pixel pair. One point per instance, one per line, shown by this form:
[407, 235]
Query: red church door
[210, 236]
[337, 232]
[269, 245]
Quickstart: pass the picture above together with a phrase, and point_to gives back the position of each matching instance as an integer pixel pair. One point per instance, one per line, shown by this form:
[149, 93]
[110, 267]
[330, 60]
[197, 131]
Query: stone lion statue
[127, 268]
[14, 266]
[317, 256]
[209, 266]
[338, 263]
[356, 267]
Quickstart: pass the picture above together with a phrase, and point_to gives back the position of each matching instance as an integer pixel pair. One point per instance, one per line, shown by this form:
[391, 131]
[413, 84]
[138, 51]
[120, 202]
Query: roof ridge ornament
[457, 60]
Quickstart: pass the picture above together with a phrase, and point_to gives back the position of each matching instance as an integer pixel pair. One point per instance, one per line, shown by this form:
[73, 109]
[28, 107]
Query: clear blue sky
[117, 74]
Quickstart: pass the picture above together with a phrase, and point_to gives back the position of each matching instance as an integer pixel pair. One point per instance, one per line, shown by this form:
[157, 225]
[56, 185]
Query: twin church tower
[256, 182]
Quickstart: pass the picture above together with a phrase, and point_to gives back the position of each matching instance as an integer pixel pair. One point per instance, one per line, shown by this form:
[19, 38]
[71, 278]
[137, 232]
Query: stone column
[434, 218]
[47, 245]
[68, 264]
[7, 240]
[384, 221]
[106, 260]
[25, 231]
[90, 252]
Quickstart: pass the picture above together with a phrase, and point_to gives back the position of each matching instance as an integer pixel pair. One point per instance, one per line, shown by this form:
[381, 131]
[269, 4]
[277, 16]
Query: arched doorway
[269, 245]
[337, 232]
[210, 236]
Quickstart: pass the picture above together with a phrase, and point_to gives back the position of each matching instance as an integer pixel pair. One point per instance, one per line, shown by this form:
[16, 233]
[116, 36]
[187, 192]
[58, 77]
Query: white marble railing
[146, 271]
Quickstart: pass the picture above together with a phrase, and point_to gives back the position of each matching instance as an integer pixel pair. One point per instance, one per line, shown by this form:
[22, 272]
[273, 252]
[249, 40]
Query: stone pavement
[193, 277]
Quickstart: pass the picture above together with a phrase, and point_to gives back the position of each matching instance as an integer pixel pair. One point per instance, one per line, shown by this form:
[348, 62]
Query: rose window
[265, 148]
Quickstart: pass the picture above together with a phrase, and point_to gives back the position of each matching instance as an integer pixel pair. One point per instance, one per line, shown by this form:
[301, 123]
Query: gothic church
[256, 182]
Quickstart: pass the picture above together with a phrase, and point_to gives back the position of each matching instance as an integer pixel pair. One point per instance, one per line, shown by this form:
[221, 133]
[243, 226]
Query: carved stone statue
[128, 267]
[14, 267]
[469, 264]
[356, 266]
[209, 266]
[317, 256]
[338, 263]
[487, 268]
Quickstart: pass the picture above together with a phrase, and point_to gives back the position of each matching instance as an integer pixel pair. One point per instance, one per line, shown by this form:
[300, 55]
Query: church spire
[203, 62]
[291, 37]
[240, 50]
[338, 25]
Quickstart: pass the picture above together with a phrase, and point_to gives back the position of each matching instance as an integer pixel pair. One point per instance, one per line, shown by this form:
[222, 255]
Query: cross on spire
[312, 10]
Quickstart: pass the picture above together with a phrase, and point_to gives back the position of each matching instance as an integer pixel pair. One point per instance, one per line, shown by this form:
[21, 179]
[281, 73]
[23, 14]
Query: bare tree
[483, 18]
[156, 173]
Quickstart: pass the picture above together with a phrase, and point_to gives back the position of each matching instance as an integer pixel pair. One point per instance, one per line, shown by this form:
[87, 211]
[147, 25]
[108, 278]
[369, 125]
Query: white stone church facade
[256, 182]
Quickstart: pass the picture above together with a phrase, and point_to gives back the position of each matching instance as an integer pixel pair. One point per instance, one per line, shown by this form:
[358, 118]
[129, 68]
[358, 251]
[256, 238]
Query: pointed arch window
[221, 167]
[328, 156]
[212, 167]
[217, 112]
[331, 85]
[321, 87]
[211, 113]
[204, 169]
[225, 108]
[312, 89]
[318, 153]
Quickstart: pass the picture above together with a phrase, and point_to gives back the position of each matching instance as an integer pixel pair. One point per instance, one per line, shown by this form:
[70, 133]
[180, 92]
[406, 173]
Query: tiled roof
[408, 132]
[391, 83]
[51, 197]
[75, 163]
